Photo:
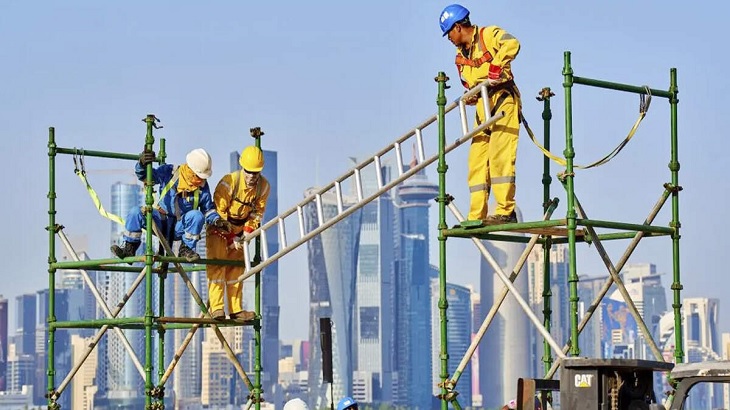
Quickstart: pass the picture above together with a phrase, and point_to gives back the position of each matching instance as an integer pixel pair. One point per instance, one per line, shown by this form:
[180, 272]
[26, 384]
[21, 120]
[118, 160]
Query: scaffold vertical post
[51, 371]
[148, 314]
[256, 133]
[571, 213]
[674, 168]
[441, 79]
[161, 309]
[547, 294]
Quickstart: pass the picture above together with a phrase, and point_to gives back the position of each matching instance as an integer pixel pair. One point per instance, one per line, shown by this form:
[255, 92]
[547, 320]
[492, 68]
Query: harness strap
[95, 198]
[169, 185]
[485, 58]
[645, 100]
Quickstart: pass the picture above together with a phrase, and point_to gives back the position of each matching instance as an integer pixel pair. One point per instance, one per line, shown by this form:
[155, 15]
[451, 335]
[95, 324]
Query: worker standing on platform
[486, 53]
[185, 204]
[240, 198]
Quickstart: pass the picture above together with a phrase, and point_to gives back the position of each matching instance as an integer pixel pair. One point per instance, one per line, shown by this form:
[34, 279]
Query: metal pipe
[96, 263]
[622, 225]
[100, 333]
[257, 327]
[51, 370]
[99, 154]
[674, 168]
[442, 200]
[149, 253]
[352, 209]
[547, 293]
[621, 87]
[607, 285]
[100, 301]
[570, 214]
[470, 232]
[500, 299]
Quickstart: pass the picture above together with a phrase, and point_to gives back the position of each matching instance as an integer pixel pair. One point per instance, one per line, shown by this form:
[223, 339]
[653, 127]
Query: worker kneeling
[240, 199]
[185, 204]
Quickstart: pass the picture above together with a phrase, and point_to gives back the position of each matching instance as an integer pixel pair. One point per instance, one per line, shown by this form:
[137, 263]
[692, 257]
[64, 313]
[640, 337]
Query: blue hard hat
[346, 403]
[451, 15]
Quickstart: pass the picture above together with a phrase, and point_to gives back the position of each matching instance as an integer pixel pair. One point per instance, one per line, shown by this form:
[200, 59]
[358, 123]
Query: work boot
[187, 253]
[243, 316]
[218, 314]
[126, 250]
[501, 219]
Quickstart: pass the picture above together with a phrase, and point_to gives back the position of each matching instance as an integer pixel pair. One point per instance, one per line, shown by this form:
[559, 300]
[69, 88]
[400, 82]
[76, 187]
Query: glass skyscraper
[3, 341]
[332, 271]
[375, 267]
[458, 334]
[412, 294]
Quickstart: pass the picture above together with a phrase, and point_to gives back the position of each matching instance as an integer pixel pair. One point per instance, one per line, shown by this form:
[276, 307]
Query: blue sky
[328, 80]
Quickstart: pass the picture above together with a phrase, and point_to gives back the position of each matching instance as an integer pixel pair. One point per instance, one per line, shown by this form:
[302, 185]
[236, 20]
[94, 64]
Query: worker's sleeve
[160, 175]
[507, 47]
[222, 196]
[207, 207]
[259, 207]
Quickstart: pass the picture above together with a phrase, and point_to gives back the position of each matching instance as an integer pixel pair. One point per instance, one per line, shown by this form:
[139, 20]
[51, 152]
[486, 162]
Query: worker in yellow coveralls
[240, 199]
[486, 53]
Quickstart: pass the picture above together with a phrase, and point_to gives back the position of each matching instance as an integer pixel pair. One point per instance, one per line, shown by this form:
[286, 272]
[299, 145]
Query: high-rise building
[375, 265]
[187, 377]
[269, 279]
[332, 271]
[20, 371]
[458, 337]
[476, 309]
[412, 294]
[726, 356]
[590, 338]
[502, 359]
[3, 341]
[217, 370]
[83, 386]
[119, 383]
[25, 319]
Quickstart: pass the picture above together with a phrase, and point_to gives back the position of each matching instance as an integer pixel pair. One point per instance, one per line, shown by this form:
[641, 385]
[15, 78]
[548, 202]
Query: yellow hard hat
[252, 159]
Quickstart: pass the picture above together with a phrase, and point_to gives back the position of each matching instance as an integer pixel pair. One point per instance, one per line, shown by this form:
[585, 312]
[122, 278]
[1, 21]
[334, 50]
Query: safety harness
[230, 237]
[166, 189]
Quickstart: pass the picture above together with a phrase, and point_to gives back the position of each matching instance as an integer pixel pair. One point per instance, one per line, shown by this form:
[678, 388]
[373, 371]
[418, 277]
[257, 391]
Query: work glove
[472, 100]
[222, 225]
[146, 157]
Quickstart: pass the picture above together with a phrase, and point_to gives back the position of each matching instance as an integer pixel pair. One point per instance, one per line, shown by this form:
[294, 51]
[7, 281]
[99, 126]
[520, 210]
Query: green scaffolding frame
[154, 266]
[544, 232]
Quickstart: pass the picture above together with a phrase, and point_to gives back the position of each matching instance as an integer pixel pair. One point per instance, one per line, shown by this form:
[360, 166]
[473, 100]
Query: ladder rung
[462, 112]
[378, 172]
[282, 233]
[264, 246]
[246, 257]
[485, 101]
[320, 209]
[338, 193]
[300, 214]
[358, 184]
[419, 144]
[398, 158]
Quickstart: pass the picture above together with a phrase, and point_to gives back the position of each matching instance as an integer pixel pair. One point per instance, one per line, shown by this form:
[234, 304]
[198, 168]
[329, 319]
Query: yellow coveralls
[493, 153]
[244, 208]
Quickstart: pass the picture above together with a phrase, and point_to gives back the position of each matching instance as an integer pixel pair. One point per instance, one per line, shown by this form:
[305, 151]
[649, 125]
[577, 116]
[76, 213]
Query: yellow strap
[601, 161]
[95, 199]
[644, 102]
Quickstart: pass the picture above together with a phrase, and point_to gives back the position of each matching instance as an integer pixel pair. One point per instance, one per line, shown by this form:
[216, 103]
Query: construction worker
[347, 403]
[240, 199]
[185, 204]
[486, 53]
[296, 404]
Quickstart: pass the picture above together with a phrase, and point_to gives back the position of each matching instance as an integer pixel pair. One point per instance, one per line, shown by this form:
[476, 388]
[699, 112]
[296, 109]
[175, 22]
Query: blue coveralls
[173, 211]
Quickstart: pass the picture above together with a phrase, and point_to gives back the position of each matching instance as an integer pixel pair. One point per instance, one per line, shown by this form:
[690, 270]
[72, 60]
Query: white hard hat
[296, 404]
[200, 162]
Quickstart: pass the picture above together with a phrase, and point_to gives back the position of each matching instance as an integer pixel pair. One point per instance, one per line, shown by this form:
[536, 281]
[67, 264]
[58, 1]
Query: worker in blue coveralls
[185, 205]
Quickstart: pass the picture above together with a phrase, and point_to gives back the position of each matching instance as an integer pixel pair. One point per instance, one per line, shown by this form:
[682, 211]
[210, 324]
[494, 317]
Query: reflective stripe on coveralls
[492, 154]
[243, 207]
